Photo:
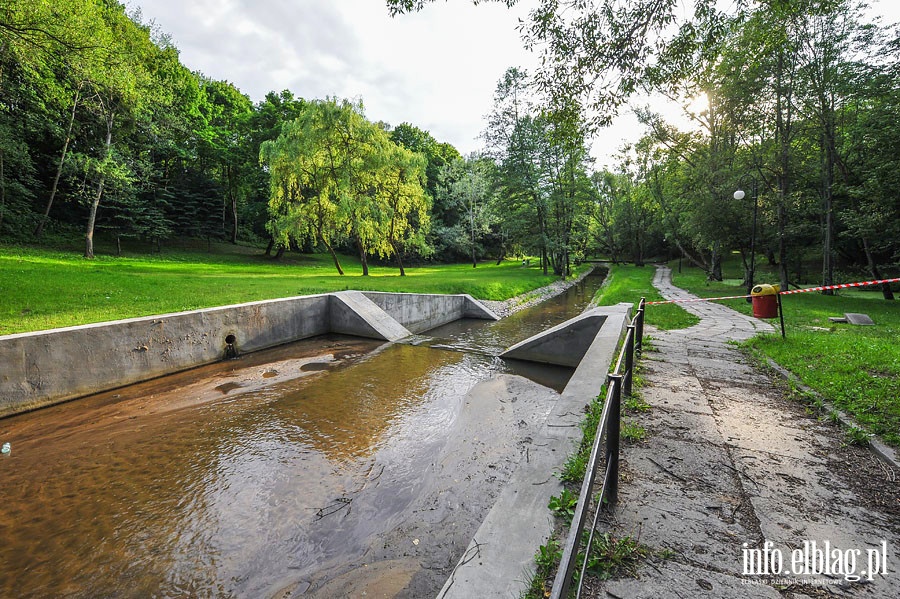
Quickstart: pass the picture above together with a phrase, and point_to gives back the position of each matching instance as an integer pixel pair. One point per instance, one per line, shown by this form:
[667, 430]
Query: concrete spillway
[47, 367]
[563, 345]
[334, 466]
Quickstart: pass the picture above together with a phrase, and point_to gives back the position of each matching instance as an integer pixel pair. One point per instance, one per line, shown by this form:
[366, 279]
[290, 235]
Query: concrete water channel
[330, 467]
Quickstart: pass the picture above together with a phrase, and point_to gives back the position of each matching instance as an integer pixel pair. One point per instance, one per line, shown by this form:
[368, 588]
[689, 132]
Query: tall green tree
[123, 88]
[224, 138]
[305, 179]
[402, 200]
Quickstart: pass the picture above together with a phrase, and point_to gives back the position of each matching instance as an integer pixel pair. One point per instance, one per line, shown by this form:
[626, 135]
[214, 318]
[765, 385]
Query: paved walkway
[728, 461]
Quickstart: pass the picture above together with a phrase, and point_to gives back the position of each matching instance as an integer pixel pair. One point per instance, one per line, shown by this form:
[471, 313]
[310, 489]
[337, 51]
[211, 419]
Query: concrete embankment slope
[47, 367]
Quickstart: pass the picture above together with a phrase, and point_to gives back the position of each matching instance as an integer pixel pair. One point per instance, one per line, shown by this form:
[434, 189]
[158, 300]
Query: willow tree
[336, 176]
[356, 153]
[402, 200]
[304, 181]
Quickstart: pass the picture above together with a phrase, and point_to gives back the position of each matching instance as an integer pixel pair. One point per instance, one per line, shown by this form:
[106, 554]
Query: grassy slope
[627, 283]
[858, 368]
[42, 289]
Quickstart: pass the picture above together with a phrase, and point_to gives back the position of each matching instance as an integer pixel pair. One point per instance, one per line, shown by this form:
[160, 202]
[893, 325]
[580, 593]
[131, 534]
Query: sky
[436, 69]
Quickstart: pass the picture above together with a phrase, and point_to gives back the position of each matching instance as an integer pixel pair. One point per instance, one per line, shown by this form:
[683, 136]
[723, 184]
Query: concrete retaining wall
[563, 345]
[47, 367]
[421, 312]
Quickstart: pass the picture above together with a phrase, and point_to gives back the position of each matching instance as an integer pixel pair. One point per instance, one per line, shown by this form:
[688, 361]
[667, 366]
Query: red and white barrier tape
[841, 286]
[695, 299]
[822, 288]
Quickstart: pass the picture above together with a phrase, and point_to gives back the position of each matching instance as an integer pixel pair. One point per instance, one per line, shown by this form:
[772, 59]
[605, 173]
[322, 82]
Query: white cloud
[436, 69]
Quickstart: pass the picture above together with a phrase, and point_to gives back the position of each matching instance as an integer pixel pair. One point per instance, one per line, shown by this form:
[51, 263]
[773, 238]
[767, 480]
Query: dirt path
[732, 470]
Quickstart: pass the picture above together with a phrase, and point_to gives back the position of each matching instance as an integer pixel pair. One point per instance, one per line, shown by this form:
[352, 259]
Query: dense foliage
[103, 130]
[800, 110]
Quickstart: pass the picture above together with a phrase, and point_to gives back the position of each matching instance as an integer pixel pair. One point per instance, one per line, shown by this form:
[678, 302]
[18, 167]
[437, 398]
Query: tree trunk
[280, 252]
[334, 257]
[118, 245]
[828, 201]
[782, 246]
[234, 215]
[92, 216]
[62, 159]
[234, 206]
[783, 140]
[362, 259]
[2, 189]
[472, 226]
[715, 267]
[269, 247]
[746, 266]
[886, 291]
[92, 219]
[400, 263]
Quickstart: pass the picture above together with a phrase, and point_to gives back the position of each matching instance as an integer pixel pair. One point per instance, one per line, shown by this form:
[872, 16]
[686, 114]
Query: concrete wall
[563, 345]
[46, 367]
[421, 311]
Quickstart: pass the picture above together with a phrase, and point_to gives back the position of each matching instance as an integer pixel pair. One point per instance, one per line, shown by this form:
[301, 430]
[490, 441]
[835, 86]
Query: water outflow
[330, 467]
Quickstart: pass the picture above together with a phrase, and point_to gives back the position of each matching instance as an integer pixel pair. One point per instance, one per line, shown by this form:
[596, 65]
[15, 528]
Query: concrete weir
[563, 345]
[501, 554]
[47, 367]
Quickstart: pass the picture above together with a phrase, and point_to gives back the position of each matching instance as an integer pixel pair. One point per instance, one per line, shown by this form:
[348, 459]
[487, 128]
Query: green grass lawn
[855, 367]
[627, 283]
[42, 289]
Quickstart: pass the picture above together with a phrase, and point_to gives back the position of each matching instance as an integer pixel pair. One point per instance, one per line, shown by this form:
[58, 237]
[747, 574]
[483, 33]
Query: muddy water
[331, 467]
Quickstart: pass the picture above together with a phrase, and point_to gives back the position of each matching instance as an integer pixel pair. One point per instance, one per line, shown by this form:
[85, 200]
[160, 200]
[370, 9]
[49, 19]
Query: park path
[729, 460]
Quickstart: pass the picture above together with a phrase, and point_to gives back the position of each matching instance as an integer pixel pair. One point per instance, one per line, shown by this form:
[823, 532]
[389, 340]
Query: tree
[123, 87]
[403, 201]
[336, 175]
[464, 186]
[515, 136]
[224, 138]
[265, 125]
[305, 179]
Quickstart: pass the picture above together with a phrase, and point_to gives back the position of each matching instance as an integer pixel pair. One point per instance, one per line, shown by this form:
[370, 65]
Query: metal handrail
[607, 437]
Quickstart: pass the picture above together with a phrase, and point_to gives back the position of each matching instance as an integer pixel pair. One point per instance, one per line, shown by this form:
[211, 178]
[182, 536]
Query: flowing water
[330, 467]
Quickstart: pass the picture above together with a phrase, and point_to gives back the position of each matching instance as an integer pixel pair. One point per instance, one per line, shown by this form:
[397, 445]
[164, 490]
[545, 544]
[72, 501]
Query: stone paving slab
[729, 465]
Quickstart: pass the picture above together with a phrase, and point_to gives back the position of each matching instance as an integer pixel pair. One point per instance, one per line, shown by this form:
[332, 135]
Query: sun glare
[699, 103]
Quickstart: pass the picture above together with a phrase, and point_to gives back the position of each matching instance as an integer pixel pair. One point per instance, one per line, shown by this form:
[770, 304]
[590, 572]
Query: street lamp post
[739, 195]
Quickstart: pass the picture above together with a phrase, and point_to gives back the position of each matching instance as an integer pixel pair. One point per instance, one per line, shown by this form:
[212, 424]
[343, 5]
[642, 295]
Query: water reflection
[221, 497]
[494, 337]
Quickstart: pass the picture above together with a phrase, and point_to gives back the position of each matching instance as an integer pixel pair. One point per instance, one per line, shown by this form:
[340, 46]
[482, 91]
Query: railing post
[639, 341]
[629, 358]
[612, 436]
